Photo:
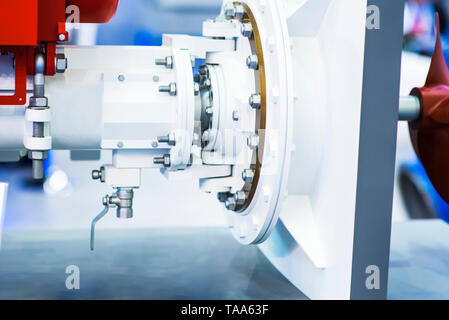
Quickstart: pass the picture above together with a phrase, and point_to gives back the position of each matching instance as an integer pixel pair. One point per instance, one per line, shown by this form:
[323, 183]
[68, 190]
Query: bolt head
[247, 29]
[253, 141]
[253, 62]
[255, 101]
[196, 88]
[167, 161]
[229, 12]
[222, 196]
[61, 63]
[239, 11]
[240, 197]
[209, 111]
[206, 136]
[230, 204]
[169, 62]
[173, 89]
[62, 37]
[248, 175]
[235, 115]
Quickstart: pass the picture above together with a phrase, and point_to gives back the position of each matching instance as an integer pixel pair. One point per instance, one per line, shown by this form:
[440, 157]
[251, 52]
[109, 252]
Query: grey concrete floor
[203, 263]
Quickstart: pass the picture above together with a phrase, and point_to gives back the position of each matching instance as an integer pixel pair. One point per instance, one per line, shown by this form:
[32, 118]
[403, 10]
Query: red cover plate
[18, 22]
[95, 11]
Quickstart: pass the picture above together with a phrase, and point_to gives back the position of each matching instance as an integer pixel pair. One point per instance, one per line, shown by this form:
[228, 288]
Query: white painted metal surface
[320, 208]
[3, 194]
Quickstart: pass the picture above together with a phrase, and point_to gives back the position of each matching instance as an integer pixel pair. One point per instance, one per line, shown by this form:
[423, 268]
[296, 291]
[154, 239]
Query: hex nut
[247, 29]
[230, 204]
[255, 101]
[38, 102]
[253, 62]
[248, 175]
[240, 197]
[61, 63]
[253, 141]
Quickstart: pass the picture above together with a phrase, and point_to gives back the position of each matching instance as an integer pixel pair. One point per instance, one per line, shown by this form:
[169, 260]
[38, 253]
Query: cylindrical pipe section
[409, 108]
[38, 169]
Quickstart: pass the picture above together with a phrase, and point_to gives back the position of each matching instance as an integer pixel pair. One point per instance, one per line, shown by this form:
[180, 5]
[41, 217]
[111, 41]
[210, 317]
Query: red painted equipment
[430, 133]
[30, 26]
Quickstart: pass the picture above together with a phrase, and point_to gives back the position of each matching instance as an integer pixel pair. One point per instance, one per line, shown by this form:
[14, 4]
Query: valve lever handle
[94, 222]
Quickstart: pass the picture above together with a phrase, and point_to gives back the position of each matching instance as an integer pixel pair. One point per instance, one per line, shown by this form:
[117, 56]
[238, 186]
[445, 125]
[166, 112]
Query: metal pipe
[409, 108]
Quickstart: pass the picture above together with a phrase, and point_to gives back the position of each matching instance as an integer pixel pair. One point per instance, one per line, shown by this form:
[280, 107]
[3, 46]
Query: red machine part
[27, 26]
[95, 11]
[430, 133]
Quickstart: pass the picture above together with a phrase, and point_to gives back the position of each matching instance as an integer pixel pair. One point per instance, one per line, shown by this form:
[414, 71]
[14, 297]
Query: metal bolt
[253, 141]
[240, 197]
[230, 204]
[206, 84]
[98, 174]
[171, 89]
[239, 11]
[62, 37]
[248, 175]
[235, 115]
[61, 63]
[247, 29]
[253, 62]
[170, 139]
[197, 88]
[121, 78]
[209, 111]
[222, 196]
[164, 160]
[255, 101]
[229, 12]
[206, 136]
[167, 62]
[38, 102]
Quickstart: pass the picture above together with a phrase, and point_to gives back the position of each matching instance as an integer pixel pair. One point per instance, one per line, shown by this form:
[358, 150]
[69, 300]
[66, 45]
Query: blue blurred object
[420, 197]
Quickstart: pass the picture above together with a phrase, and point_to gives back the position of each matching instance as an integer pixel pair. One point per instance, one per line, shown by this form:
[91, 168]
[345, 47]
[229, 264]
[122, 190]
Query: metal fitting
[61, 63]
[38, 102]
[253, 62]
[169, 139]
[248, 175]
[99, 174]
[235, 115]
[222, 196]
[206, 136]
[209, 110]
[253, 141]
[171, 89]
[230, 204]
[255, 101]
[196, 87]
[124, 203]
[234, 11]
[240, 197]
[247, 29]
[164, 160]
[167, 62]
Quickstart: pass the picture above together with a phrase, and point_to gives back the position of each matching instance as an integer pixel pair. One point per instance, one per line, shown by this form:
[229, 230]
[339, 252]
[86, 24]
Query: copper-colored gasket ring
[261, 114]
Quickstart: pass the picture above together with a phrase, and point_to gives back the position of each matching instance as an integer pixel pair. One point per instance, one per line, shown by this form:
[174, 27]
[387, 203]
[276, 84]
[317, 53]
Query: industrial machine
[290, 120]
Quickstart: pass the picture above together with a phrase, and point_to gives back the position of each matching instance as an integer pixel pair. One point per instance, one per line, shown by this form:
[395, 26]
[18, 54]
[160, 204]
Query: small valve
[122, 200]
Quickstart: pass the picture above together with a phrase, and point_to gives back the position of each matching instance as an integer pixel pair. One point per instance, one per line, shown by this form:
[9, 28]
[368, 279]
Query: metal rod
[94, 222]
[409, 108]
